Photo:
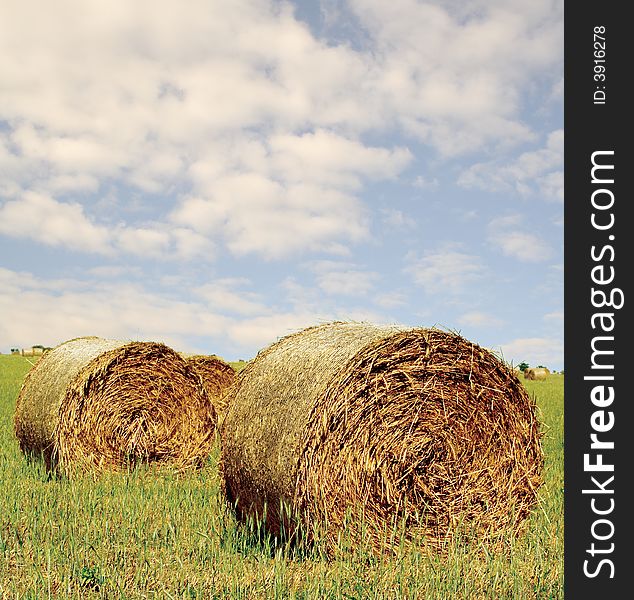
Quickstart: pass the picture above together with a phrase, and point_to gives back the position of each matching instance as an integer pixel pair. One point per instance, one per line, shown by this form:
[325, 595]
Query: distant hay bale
[216, 375]
[95, 404]
[418, 426]
[536, 373]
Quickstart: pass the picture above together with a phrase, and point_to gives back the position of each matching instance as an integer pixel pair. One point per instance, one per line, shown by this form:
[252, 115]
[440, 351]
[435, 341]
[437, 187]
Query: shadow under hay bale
[417, 426]
[93, 404]
[536, 373]
[217, 376]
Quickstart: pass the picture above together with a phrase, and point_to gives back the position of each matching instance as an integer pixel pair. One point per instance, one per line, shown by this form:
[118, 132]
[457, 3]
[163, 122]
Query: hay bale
[216, 376]
[418, 426]
[96, 404]
[536, 373]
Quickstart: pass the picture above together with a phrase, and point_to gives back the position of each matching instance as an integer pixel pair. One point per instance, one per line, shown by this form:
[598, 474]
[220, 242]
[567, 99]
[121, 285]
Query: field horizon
[134, 535]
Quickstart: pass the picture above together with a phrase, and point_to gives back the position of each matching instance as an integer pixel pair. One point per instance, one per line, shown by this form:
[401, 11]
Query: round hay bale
[216, 376]
[413, 426]
[96, 404]
[536, 373]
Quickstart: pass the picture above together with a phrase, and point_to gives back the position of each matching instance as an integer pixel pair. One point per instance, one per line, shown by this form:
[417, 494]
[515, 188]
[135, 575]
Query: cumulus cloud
[326, 158]
[42, 218]
[343, 279]
[391, 299]
[244, 120]
[143, 241]
[396, 219]
[459, 85]
[422, 182]
[53, 223]
[479, 319]
[444, 271]
[51, 311]
[522, 245]
[229, 295]
[508, 234]
[538, 172]
[223, 313]
[255, 214]
[149, 140]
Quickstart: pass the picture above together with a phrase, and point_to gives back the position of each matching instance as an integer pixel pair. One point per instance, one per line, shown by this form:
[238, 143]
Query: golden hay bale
[216, 375]
[415, 426]
[96, 404]
[536, 373]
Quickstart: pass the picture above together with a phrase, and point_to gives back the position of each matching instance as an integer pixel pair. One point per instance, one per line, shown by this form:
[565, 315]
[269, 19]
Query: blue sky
[216, 175]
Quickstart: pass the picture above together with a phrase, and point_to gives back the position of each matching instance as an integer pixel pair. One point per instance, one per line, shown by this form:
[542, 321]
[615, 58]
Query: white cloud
[206, 216]
[445, 271]
[67, 154]
[538, 172]
[142, 241]
[113, 271]
[546, 351]
[163, 100]
[52, 311]
[40, 217]
[220, 314]
[144, 131]
[255, 214]
[508, 235]
[552, 185]
[396, 219]
[187, 92]
[342, 279]
[479, 319]
[459, 85]
[260, 331]
[288, 194]
[228, 295]
[554, 317]
[424, 182]
[73, 183]
[392, 299]
[325, 158]
[523, 246]
[347, 283]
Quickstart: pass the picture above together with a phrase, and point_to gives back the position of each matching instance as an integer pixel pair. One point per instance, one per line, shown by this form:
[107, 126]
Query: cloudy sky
[215, 175]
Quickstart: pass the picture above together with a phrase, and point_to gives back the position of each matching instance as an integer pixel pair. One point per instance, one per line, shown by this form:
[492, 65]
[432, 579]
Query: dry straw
[95, 404]
[413, 426]
[536, 373]
[216, 375]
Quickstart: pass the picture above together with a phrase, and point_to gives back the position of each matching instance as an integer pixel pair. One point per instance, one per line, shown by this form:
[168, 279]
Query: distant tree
[523, 366]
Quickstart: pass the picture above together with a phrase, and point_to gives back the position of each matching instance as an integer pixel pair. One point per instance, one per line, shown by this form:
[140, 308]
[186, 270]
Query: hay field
[130, 535]
[92, 404]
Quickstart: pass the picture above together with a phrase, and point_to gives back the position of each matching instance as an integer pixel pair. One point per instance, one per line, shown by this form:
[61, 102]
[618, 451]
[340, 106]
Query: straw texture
[95, 404]
[216, 375]
[417, 427]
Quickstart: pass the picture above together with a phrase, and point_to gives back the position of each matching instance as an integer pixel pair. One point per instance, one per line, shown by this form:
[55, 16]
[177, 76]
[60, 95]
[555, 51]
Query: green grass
[238, 365]
[136, 536]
